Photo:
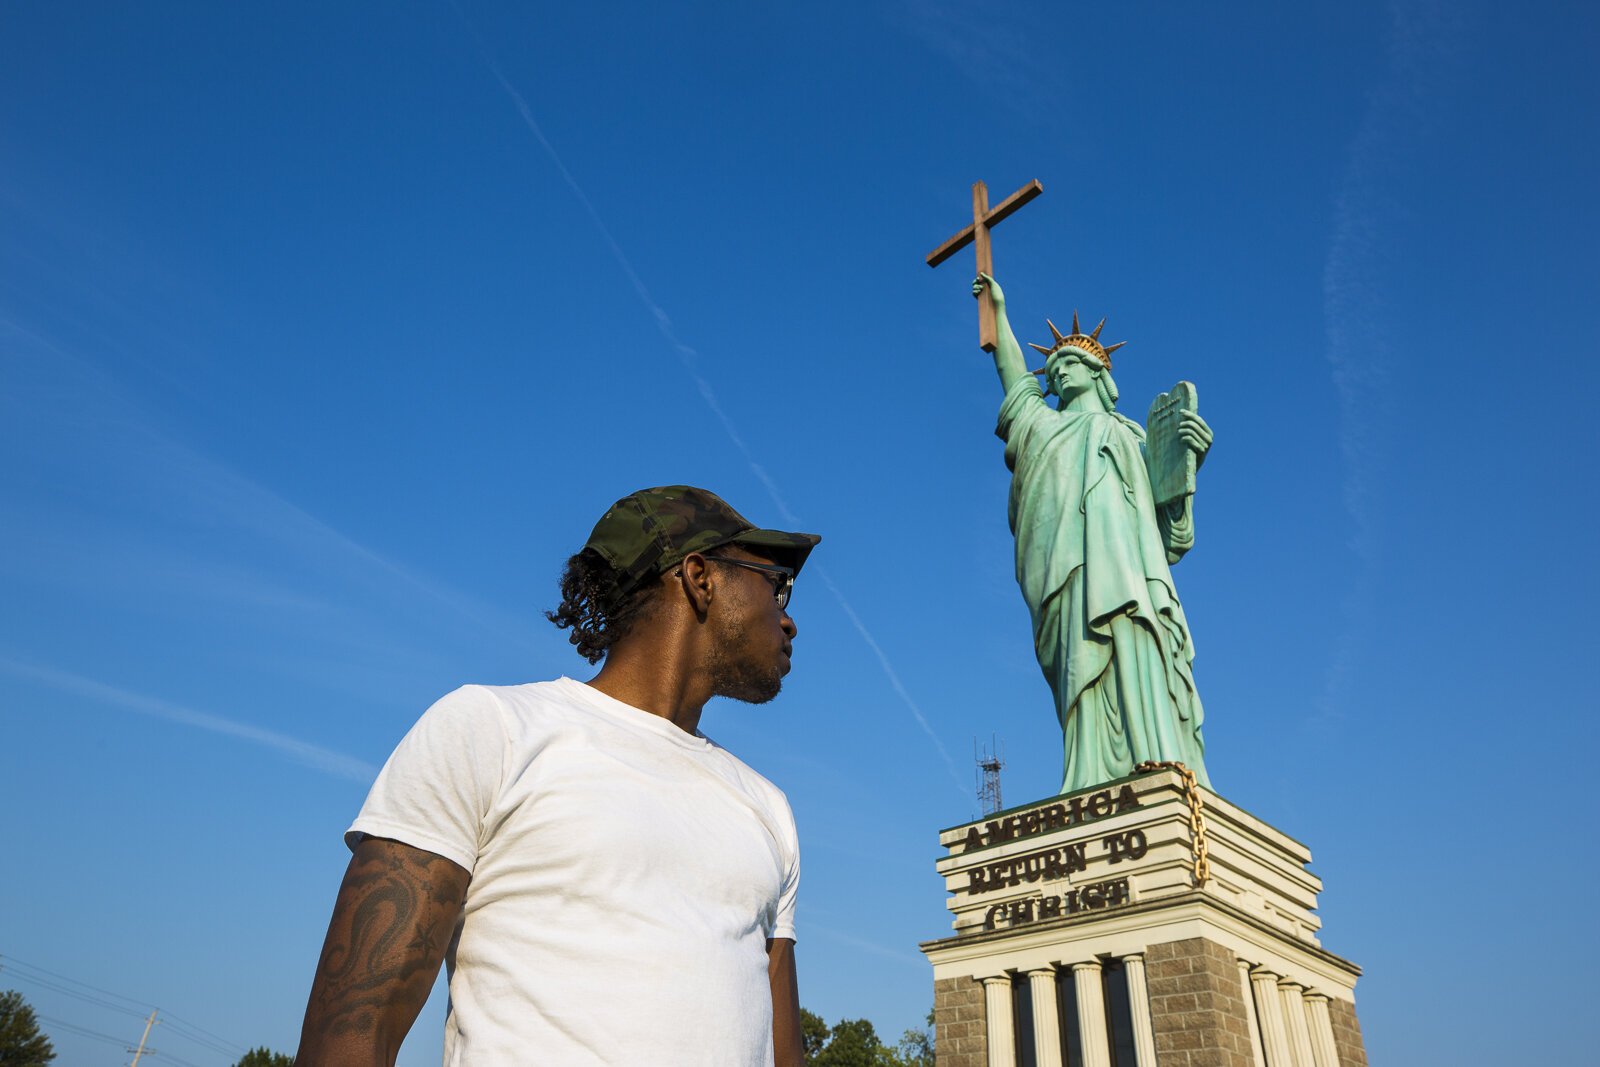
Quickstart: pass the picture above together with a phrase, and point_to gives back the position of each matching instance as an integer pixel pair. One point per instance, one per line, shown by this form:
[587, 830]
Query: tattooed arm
[395, 914]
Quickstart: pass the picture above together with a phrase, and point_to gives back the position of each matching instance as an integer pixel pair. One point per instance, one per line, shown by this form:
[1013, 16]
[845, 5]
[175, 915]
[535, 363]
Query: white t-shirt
[626, 876]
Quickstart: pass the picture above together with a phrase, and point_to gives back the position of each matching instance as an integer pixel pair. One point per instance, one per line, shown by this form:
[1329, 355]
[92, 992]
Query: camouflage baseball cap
[646, 532]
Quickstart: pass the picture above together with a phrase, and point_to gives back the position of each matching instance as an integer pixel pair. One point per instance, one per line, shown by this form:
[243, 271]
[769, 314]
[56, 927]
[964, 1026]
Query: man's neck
[659, 685]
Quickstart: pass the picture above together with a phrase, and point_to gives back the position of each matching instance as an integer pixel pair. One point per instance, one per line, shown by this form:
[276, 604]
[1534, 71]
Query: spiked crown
[1084, 342]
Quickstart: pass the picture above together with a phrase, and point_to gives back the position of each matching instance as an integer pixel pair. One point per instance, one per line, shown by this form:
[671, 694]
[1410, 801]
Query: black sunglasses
[783, 577]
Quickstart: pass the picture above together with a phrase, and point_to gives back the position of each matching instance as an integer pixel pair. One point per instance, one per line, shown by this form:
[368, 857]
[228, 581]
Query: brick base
[1197, 1012]
[960, 1026]
[1197, 1006]
[1347, 1034]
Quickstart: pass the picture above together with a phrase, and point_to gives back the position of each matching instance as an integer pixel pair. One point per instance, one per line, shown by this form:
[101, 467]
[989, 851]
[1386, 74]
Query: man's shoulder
[755, 784]
[507, 703]
[521, 701]
[555, 689]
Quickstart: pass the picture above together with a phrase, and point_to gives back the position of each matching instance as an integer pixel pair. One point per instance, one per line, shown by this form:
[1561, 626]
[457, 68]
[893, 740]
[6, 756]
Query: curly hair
[592, 606]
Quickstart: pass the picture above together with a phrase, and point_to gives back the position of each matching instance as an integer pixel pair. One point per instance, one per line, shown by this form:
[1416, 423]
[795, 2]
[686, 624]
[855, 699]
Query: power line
[210, 1046]
[45, 983]
[121, 1042]
[183, 1024]
[175, 1025]
[159, 1055]
[83, 1031]
[15, 962]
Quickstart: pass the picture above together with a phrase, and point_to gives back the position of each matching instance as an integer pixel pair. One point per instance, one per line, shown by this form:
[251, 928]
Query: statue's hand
[984, 281]
[1196, 435]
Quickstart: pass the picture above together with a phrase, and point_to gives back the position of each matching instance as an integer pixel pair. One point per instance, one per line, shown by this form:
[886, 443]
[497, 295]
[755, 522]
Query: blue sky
[326, 332]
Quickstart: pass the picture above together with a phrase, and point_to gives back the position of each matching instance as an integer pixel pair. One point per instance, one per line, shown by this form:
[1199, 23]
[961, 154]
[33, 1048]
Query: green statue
[1100, 513]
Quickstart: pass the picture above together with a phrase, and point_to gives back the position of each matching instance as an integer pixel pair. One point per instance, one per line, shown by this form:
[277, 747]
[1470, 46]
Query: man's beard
[741, 679]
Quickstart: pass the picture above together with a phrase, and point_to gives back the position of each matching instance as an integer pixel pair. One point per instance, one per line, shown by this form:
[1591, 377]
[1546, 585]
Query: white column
[1256, 1056]
[1144, 1035]
[1046, 1017]
[1294, 1013]
[1269, 1010]
[1323, 1047]
[1091, 1014]
[997, 1011]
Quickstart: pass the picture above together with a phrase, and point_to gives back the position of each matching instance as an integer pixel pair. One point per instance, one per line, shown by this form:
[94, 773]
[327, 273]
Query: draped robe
[1108, 629]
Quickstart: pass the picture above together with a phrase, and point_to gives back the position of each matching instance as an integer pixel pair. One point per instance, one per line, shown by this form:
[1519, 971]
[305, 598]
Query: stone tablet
[1171, 462]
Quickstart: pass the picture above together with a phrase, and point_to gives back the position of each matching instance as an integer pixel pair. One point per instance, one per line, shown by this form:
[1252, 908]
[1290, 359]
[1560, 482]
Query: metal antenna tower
[989, 764]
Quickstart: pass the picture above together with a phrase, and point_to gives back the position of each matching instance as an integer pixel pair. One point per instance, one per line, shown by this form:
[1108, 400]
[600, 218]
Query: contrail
[898, 954]
[686, 354]
[1422, 45]
[304, 752]
[689, 357]
[894, 677]
[191, 483]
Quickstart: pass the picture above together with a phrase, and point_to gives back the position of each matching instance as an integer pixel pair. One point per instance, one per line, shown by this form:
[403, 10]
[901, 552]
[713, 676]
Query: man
[606, 884]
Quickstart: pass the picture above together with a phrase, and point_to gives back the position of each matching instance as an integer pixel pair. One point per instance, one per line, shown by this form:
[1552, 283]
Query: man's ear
[696, 582]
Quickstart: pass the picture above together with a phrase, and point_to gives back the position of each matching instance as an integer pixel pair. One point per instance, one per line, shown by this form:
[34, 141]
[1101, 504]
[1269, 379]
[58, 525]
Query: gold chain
[1197, 820]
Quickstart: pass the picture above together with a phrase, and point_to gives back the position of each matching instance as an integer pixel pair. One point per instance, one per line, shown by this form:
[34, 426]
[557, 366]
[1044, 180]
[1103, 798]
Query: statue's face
[1070, 375]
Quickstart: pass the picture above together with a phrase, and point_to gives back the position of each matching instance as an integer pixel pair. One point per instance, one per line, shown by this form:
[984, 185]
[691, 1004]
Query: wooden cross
[983, 219]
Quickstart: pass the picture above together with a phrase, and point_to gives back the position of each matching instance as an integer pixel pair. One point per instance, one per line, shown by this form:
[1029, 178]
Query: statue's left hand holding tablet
[1196, 433]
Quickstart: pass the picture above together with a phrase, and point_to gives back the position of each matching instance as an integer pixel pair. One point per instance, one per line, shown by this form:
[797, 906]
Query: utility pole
[148, 1023]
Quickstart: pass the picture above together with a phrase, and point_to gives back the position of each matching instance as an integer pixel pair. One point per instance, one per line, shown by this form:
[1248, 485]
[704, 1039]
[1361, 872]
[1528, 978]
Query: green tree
[813, 1033]
[265, 1057]
[854, 1043]
[21, 1043]
[916, 1046]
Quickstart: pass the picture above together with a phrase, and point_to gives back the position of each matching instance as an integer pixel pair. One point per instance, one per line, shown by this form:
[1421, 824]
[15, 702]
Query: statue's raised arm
[1008, 361]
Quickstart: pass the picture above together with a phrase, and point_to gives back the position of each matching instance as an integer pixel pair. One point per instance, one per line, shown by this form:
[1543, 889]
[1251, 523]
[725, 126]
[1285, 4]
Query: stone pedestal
[1091, 904]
